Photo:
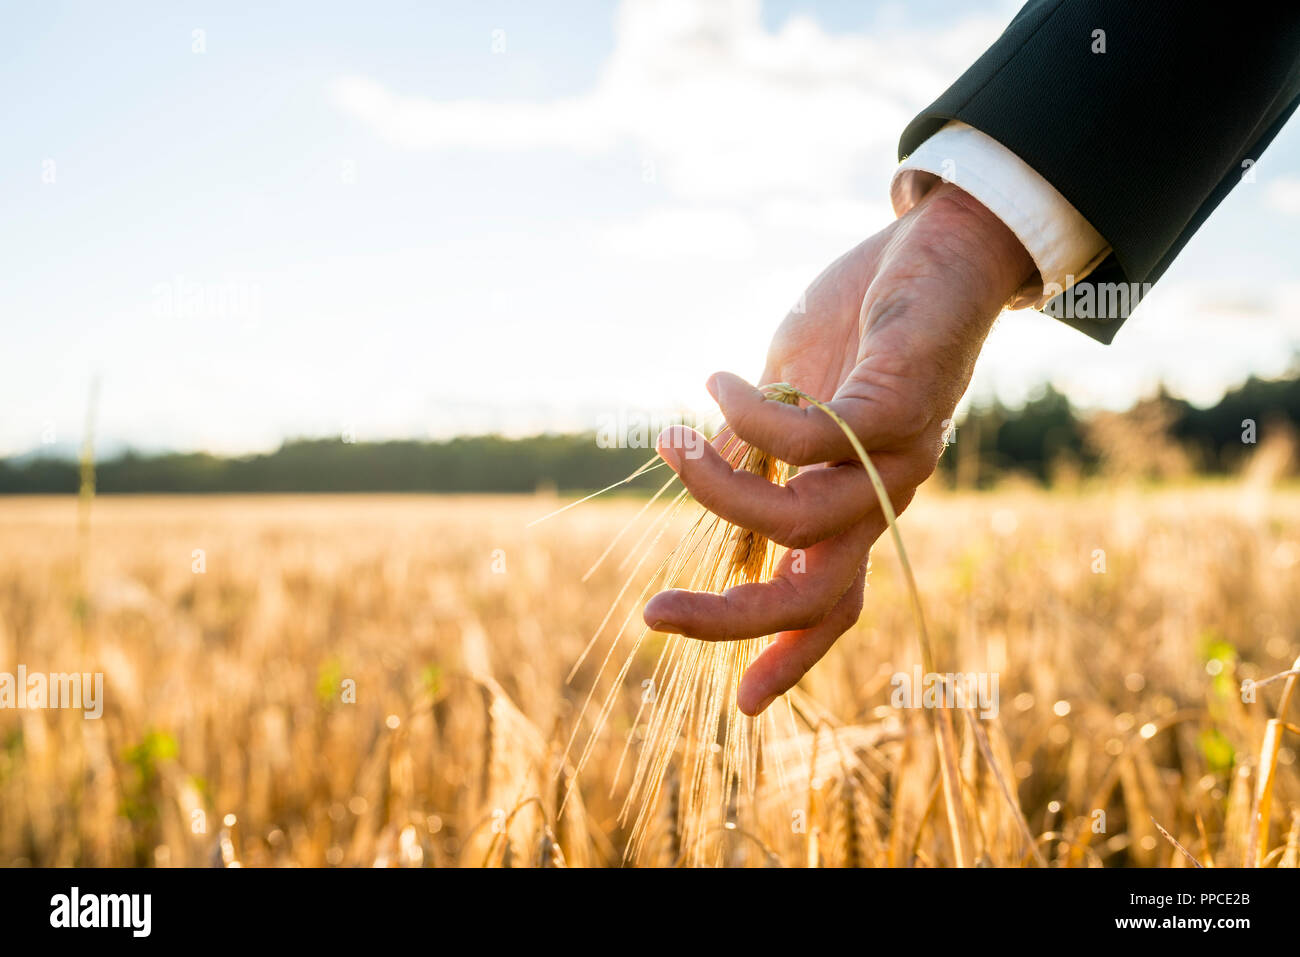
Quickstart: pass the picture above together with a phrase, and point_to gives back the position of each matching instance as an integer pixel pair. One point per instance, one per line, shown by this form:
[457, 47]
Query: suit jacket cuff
[1063, 245]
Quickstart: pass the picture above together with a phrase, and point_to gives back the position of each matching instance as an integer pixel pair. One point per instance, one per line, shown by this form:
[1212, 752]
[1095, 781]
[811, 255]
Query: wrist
[973, 239]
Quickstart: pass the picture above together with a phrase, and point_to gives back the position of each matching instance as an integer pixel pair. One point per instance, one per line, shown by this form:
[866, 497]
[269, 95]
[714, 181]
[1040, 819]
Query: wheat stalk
[695, 683]
[944, 732]
[1257, 840]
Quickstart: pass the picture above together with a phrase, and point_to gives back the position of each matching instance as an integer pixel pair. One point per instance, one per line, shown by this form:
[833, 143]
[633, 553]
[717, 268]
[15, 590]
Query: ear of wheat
[689, 712]
[688, 715]
[692, 706]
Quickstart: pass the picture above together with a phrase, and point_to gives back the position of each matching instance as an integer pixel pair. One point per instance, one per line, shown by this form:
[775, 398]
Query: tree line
[1035, 440]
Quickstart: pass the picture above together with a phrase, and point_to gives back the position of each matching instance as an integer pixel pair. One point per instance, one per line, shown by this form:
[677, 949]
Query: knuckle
[851, 610]
[801, 608]
[701, 483]
[918, 470]
[737, 414]
[803, 448]
[704, 493]
[912, 421]
[809, 612]
[804, 621]
[797, 533]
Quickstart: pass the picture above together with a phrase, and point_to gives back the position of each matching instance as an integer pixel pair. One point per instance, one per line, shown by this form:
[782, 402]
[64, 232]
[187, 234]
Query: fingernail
[659, 627]
[762, 705]
[712, 386]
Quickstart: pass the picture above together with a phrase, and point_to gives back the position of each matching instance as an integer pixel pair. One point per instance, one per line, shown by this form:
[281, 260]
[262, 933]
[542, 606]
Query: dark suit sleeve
[1144, 139]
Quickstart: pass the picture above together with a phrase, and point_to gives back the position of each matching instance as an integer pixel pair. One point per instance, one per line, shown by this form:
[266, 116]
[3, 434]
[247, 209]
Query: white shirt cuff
[1063, 244]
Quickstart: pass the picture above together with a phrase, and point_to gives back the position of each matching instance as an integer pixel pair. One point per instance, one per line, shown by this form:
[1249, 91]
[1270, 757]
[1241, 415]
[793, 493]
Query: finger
[807, 584]
[800, 435]
[817, 503]
[792, 654]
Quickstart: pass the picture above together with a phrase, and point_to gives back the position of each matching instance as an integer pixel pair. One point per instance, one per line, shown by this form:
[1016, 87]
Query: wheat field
[381, 680]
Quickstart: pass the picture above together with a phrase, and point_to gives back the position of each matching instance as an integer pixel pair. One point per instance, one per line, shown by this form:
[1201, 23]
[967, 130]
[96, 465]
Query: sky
[248, 222]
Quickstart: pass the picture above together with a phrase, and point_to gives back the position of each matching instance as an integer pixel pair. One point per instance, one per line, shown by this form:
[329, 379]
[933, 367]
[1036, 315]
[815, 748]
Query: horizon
[644, 423]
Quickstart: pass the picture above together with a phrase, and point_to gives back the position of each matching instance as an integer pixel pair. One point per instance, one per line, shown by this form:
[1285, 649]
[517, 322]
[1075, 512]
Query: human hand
[888, 338]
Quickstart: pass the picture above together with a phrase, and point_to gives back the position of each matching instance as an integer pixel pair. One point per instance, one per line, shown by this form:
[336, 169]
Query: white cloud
[723, 107]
